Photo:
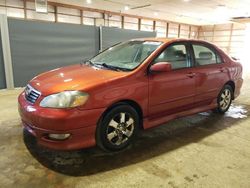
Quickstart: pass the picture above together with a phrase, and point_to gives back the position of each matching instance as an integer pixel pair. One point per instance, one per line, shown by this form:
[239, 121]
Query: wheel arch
[129, 102]
[232, 84]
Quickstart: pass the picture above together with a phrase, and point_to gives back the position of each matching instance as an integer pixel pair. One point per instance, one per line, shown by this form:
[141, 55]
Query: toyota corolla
[133, 85]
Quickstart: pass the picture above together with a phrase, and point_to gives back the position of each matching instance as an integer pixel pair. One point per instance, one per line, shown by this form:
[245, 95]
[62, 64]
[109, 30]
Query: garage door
[39, 46]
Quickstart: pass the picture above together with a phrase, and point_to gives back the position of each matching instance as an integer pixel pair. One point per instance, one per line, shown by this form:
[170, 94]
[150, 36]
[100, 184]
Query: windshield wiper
[109, 66]
[87, 62]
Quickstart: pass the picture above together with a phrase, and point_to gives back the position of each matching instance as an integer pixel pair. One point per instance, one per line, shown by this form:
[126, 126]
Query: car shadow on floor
[149, 144]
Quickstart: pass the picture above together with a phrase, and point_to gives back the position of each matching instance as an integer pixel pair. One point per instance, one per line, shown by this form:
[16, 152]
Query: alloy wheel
[120, 128]
[225, 99]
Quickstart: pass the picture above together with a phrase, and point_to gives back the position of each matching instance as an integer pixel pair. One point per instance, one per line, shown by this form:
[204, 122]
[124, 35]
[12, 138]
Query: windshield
[125, 56]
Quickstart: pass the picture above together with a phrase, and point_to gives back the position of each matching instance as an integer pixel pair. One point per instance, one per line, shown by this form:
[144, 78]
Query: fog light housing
[59, 136]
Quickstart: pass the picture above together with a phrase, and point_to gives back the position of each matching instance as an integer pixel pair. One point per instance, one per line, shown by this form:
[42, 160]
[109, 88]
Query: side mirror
[161, 67]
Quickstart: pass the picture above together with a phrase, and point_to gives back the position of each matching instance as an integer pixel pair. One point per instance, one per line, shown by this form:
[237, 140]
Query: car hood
[74, 77]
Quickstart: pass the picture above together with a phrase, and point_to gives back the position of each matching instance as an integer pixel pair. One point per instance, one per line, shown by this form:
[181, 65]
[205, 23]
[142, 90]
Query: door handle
[191, 75]
[222, 69]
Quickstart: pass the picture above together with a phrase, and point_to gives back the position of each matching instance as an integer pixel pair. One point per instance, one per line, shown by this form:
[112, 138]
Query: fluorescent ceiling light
[221, 13]
[126, 8]
[88, 1]
[156, 13]
[221, 8]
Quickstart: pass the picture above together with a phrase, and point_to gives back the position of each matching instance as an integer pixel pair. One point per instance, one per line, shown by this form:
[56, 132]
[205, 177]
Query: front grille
[31, 94]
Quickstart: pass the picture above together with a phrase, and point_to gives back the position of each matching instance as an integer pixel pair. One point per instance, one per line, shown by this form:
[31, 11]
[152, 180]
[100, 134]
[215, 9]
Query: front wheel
[224, 99]
[117, 128]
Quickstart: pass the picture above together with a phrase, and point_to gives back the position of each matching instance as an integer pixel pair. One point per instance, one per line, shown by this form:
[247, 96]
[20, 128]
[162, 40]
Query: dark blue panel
[40, 46]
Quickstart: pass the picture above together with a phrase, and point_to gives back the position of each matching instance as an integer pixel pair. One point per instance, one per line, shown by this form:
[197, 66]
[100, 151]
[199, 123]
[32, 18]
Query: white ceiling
[197, 12]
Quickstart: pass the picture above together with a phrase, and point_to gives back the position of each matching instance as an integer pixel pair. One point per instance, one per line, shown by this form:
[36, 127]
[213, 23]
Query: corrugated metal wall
[40, 46]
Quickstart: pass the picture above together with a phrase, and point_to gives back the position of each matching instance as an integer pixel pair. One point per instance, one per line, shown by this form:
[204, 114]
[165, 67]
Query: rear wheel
[224, 99]
[117, 128]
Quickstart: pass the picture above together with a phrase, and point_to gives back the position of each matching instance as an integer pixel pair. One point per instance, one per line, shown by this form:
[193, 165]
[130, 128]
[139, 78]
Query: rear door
[210, 73]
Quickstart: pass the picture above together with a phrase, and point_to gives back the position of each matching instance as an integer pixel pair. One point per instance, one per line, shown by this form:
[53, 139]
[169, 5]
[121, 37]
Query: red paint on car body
[160, 97]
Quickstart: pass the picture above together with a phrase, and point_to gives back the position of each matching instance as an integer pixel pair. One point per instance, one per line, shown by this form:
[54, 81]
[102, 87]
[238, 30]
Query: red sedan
[134, 85]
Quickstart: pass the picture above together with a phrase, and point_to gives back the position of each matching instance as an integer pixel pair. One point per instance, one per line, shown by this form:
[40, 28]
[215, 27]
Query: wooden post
[81, 18]
[56, 15]
[189, 32]
[154, 25]
[108, 18]
[199, 30]
[167, 28]
[25, 9]
[122, 22]
[179, 30]
[139, 24]
[213, 33]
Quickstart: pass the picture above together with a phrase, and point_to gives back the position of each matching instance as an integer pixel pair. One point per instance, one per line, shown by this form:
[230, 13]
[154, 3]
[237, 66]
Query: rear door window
[205, 56]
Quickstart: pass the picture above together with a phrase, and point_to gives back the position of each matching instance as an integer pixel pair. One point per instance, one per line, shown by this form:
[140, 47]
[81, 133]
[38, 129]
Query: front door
[171, 92]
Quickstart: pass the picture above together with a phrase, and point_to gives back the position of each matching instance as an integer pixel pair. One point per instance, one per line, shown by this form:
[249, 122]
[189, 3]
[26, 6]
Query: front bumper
[80, 124]
[79, 138]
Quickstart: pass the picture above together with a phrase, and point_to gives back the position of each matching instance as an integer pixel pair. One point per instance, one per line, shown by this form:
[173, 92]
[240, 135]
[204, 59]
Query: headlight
[66, 99]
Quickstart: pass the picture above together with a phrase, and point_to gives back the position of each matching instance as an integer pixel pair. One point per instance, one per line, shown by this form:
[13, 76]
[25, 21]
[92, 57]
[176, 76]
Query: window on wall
[161, 29]
[113, 20]
[92, 18]
[130, 23]
[77, 15]
[176, 55]
[15, 12]
[205, 56]
[68, 15]
[184, 31]
[194, 32]
[32, 14]
[146, 25]
[173, 30]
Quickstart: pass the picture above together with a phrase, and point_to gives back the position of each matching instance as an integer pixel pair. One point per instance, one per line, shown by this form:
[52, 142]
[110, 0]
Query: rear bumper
[80, 124]
[238, 85]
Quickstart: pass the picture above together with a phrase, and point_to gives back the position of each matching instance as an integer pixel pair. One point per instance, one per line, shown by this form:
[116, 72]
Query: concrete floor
[204, 150]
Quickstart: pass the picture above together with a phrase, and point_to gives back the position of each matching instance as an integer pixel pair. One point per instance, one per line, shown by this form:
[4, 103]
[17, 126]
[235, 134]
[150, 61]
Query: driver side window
[176, 55]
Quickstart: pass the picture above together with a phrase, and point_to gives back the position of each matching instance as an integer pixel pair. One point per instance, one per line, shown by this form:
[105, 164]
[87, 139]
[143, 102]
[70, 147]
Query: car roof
[166, 40]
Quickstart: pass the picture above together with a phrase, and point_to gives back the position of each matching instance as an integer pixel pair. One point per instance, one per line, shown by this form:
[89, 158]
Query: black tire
[117, 128]
[224, 100]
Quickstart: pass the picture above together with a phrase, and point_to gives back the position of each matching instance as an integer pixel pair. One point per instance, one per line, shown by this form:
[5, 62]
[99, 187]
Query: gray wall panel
[39, 46]
[111, 36]
[2, 74]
